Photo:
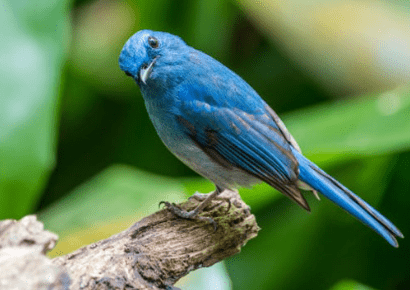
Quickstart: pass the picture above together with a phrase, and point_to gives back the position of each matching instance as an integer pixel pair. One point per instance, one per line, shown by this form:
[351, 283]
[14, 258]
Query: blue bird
[215, 123]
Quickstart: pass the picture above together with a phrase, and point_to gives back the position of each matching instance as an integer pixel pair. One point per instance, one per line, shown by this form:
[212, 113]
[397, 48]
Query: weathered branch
[157, 251]
[23, 264]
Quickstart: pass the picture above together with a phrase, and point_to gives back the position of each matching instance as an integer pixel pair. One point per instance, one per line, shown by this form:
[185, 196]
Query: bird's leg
[203, 196]
[193, 214]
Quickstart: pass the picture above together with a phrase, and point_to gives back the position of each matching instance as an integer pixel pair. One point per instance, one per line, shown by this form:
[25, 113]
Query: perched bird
[215, 123]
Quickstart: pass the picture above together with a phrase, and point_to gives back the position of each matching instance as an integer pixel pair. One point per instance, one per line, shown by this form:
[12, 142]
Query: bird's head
[148, 54]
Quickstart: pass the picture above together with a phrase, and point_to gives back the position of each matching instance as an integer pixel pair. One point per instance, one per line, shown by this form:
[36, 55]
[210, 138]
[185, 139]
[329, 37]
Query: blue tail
[343, 197]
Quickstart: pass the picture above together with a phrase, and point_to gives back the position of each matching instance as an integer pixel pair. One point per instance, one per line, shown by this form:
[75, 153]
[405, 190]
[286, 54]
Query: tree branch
[157, 251]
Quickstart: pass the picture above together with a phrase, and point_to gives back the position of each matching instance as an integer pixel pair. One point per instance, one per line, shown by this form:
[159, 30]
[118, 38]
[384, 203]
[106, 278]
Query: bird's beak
[146, 71]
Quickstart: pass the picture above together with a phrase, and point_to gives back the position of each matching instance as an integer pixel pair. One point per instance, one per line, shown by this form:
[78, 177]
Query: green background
[77, 147]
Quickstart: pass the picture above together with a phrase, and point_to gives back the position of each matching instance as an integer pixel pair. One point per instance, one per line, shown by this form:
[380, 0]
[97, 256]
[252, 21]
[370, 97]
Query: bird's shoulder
[212, 83]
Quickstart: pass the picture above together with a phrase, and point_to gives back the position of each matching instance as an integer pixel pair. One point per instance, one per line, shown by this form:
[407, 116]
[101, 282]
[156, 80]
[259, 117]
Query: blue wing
[248, 140]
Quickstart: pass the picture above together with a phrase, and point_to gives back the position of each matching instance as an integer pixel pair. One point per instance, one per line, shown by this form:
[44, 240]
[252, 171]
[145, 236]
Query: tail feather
[346, 199]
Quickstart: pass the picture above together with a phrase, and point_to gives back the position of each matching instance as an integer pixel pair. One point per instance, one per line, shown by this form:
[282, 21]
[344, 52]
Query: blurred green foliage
[350, 285]
[67, 110]
[33, 51]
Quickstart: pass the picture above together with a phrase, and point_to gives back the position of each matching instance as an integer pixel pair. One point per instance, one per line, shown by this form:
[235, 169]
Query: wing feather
[238, 139]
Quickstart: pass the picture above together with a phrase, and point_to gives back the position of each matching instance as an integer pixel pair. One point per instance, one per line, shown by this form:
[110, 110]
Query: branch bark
[157, 251]
[23, 264]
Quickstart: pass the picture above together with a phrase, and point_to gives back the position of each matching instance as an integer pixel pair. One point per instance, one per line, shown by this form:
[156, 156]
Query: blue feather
[343, 197]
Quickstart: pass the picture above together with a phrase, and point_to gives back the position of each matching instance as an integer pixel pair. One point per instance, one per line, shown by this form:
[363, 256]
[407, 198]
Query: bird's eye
[128, 74]
[153, 42]
[144, 66]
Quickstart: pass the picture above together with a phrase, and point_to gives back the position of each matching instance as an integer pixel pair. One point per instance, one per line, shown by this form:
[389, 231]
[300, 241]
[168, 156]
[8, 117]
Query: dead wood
[154, 253]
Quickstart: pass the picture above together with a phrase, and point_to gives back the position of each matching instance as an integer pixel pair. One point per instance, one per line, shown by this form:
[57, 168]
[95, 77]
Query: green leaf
[350, 285]
[118, 193]
[335, 132]
[108, 203]
[32, 53]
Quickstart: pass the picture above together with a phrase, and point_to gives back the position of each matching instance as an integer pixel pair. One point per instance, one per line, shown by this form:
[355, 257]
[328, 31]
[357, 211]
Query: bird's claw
[166, 204]
[192, 215]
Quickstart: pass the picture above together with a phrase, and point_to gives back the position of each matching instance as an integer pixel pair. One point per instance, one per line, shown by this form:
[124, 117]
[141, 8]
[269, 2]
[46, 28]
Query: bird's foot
[205, 199]
[203, 196]
[192, 215]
